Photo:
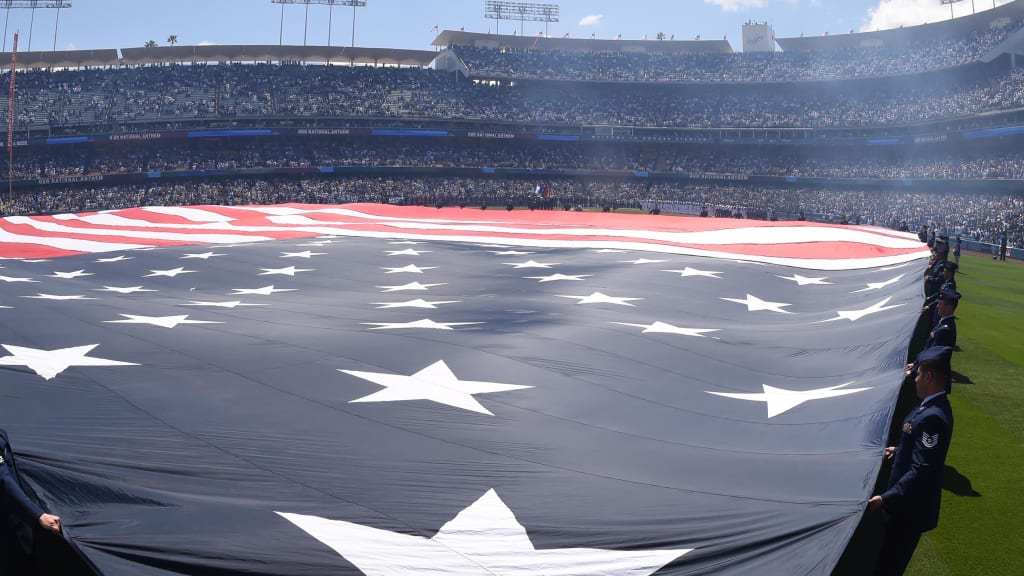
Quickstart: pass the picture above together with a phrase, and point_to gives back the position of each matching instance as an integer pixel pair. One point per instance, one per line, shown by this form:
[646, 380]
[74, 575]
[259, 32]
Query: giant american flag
[390, 391]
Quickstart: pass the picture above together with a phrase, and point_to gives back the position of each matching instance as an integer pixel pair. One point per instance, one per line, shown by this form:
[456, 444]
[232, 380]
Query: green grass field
[981, 528]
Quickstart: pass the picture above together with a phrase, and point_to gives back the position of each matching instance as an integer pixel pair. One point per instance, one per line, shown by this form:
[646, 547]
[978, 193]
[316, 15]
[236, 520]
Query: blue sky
[408, 23]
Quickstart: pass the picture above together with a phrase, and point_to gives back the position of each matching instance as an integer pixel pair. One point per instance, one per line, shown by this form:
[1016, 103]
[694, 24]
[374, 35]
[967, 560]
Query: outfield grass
[981, 528]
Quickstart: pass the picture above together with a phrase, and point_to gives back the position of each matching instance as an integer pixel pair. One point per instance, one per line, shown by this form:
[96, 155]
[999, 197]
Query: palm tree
[172, 39]
[150, 44]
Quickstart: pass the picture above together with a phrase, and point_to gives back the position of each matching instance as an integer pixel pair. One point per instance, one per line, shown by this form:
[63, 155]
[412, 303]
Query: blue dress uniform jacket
[915, 483]
[943, 334]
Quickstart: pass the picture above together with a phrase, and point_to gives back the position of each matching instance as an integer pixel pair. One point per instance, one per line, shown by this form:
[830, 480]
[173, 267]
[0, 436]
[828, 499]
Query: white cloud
[736, 5]
[592, 20]
[206, 43]
[895, 13]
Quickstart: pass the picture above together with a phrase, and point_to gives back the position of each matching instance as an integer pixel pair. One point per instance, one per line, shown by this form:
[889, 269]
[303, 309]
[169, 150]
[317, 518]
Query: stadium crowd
[94, 100]
[976, 215]
[846, 63]
[84, 159]
[776, 90]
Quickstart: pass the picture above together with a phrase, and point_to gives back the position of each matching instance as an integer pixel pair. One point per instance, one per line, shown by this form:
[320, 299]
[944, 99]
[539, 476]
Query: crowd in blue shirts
[84, 101]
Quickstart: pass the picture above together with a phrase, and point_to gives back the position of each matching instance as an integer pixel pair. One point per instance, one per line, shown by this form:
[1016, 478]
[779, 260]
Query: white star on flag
[529, 264]
[307, 254]
[754, 304]
[805, 281]
[201, 256]
[436, 383]
[124, 290]
[316, 243]
[120, 258]
[665, 328]
[69, 275]
[642, 261]
[599, 298]
[228, 304]
[407, 252]
[425, 323]
[509, 253]
[555, 277]
[286, 271]
[59, 297]
[36, 260]
[169, 273]
[265, 291]
[879, 285]
[10, 279]
[780, 400]
[410, 286]
[695, 272]
[417, 303]
[407, 242]
[484, 538]
[161, 321]
[410, 268]
[854, 315]
[608, 250]
[50, 363]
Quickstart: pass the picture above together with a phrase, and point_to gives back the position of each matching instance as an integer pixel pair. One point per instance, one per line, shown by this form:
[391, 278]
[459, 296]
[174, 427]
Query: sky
[90, 24]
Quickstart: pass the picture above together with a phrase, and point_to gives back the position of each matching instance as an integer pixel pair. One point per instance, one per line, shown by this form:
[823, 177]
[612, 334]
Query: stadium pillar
[57, 23]
[353, 25]
[280, 34]
[31, 24]
[6, 20]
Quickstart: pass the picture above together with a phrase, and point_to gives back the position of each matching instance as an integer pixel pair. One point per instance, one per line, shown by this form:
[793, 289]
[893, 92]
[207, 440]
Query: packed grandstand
[908, 127]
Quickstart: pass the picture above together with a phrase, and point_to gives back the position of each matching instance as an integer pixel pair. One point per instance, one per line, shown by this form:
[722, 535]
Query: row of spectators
[96, 99]
[846, 63]
[976, 215]
[236, 153]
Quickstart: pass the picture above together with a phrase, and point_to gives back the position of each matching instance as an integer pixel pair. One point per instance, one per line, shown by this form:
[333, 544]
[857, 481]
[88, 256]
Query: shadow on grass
[959, 378]
[957, 483]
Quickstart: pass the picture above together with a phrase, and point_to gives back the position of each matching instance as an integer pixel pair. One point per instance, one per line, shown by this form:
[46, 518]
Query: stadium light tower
[951, 2]
[331, 3]
[32, 5]
[522, 11]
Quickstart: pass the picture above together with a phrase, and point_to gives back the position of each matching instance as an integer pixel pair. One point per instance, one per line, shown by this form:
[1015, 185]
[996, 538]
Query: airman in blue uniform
[943, 333]
[911, 500]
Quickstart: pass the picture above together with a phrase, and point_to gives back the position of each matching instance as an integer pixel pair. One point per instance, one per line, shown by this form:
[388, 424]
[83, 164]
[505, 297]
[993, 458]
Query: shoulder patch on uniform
[930, 441]
[1, 459]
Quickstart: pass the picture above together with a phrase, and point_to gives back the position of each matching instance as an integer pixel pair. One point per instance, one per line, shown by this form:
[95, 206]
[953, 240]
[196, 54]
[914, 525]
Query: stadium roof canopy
[63, 59]
[275, 53]
[450, 38]
[962, 27]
